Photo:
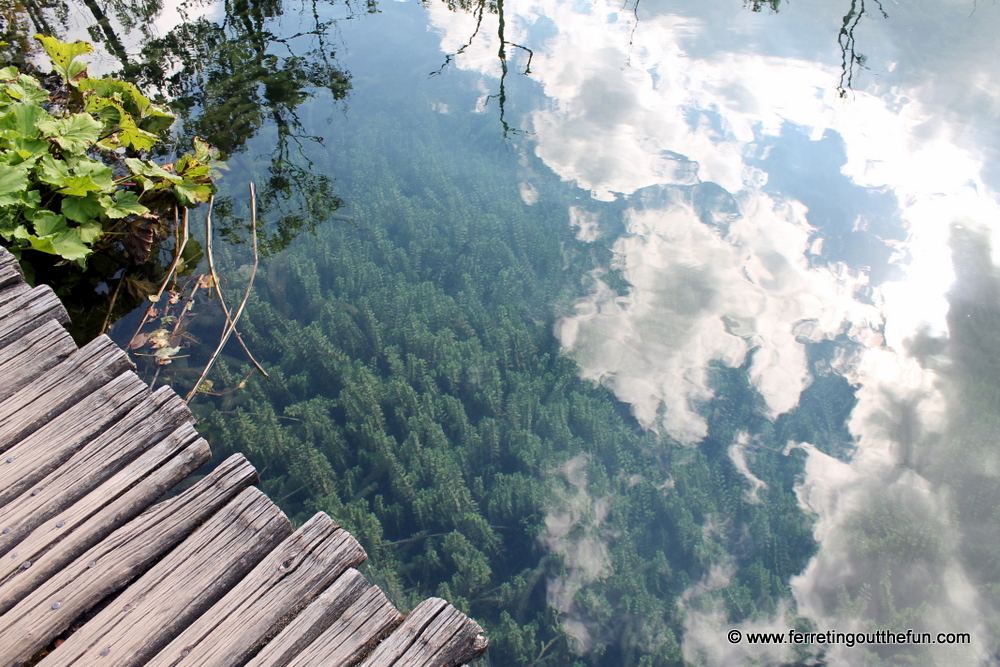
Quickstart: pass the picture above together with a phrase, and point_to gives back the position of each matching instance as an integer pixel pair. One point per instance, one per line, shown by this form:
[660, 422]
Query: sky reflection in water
[864, 219]
[756, 212]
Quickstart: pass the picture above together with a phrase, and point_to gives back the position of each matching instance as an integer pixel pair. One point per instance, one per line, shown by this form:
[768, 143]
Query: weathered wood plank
[396, 644]
[435, 634]
[151, 420]
[114, 562]
[451, 639]
[192, 577]
[26, 310]
[12, 291]
[31, 355]
[26, 564]
[313, 620]
[80, 376]
[10, 270]
[274, 592]
[24, 466]
[39, 556]
[350, 637]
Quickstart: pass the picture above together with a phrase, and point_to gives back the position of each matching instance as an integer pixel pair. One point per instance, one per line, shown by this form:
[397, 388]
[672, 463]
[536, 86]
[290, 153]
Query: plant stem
[230, 322]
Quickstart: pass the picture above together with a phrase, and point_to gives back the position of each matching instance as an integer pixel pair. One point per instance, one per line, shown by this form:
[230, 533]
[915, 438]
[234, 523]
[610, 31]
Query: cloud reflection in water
[907, 529]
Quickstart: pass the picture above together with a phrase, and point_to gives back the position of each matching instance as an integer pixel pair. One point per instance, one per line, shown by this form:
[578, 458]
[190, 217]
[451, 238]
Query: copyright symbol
[735, 636]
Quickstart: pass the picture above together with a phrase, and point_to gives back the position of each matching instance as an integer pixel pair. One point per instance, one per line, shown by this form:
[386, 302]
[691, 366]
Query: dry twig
[181, 244]
[230, 321]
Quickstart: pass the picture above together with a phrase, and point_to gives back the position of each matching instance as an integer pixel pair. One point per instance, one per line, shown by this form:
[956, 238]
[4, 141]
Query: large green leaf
[26, 89]
[13, 180]
[202, 150]
[24, 148]
[90, 232]
[123, 92]
[63, 55]
[125, 203]
[25, 201]
[20, 119]
[79, 186]
[21, 232]
[99, 172]
[48, 223]
[43, 244]
[52, 171]
[145, 169]
[82, 209]
[130, 135]
[52, 236]
[107, 110]
[69, 245]
[117, 118]
[191, 194]
[75, 134]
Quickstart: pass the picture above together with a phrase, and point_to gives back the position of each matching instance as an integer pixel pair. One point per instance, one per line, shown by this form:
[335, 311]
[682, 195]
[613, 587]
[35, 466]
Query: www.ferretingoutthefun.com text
[850, 638]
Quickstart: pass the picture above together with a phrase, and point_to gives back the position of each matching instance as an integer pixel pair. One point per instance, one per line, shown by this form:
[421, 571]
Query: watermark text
[849, 639]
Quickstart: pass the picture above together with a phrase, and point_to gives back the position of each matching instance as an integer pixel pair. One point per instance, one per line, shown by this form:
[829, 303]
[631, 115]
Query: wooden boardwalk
[212, 577]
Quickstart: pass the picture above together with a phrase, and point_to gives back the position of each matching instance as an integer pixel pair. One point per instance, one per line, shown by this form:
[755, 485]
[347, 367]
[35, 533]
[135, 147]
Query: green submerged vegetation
[418, 395]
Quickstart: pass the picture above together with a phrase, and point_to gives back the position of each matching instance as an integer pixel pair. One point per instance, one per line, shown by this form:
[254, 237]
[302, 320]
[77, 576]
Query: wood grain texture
[451, 639]
[113, 563]
[56, 440]
[10, 270]
[26, 564]
[284, 583]
[11, 277]
[154, 417]
[313, 620]
[31, 355]
[348, 639]
[435, 634]
[386, 653]
[85, 375]
[12, 291]
[192, 577]
[26, 310]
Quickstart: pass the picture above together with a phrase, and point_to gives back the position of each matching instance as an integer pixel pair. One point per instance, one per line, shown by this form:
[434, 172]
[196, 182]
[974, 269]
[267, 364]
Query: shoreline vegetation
[86, 211]
[84, 208]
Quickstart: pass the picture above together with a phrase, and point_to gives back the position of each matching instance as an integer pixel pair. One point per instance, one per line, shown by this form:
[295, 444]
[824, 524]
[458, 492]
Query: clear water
[691, 328]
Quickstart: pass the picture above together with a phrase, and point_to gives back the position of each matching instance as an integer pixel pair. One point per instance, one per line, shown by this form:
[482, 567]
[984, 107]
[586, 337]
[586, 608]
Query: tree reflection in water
[852, 61]
[479, 7]
[226, 80]
[227, 83]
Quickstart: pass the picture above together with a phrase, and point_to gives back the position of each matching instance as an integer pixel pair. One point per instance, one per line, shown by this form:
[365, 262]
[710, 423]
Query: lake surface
[619, 326]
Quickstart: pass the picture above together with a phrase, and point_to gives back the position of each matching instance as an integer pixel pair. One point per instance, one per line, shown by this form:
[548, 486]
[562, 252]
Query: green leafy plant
[75, 177]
